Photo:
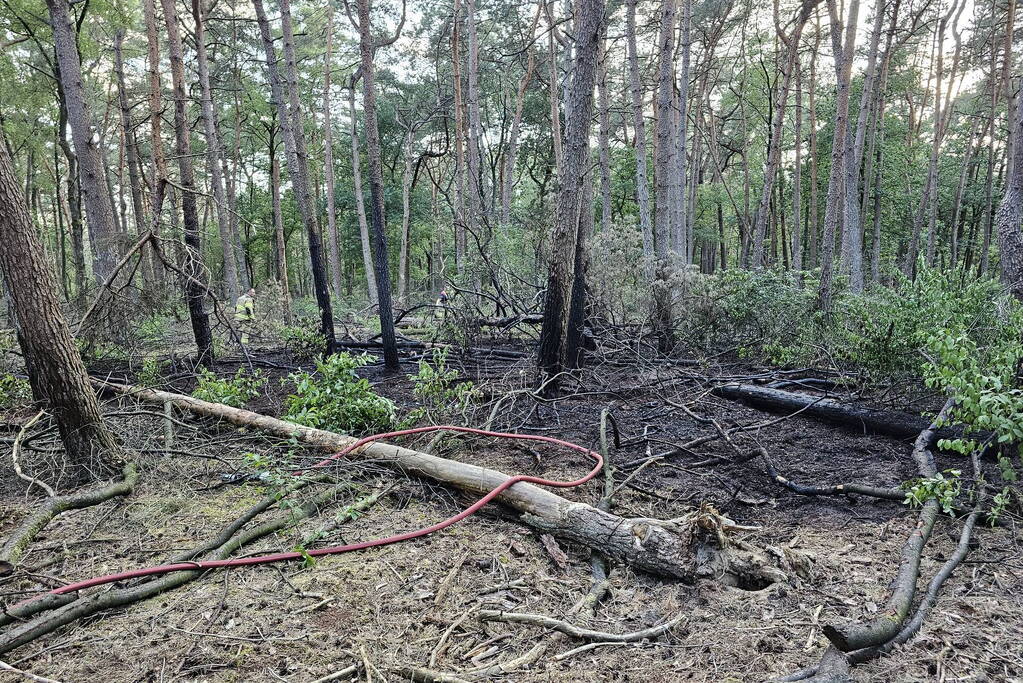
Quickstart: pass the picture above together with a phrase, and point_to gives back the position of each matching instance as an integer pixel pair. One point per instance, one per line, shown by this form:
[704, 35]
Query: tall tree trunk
[195, 285]
[639, 129]
[666, 153]
[360, 202]
[406, 214]
[792, 43]
[459, 107]
[477, 199]
[367, 46]
[1009, 219]
[843, 70]
[565, 255]
[680, 238]
[328, 159]
[99, 210]
[55, 370]
[508, 186]
[298, 170]
[603, 143]
[280, 241]
[797, 176]
[214, 153]
[131, 151]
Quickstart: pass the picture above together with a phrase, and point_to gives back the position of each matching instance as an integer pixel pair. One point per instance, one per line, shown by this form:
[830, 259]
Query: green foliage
[303, 339]
[234, 392]
[944, 487]
[982, 381]
[441, 395]
[14, 392]
[155, 328]
[151, 374]
[337, 399]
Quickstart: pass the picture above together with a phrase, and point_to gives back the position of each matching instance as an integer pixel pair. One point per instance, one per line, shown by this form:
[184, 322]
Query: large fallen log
[860, 418]
[670, 549]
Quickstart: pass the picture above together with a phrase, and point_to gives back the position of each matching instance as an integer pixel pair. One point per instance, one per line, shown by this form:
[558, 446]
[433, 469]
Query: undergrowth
[336, 399]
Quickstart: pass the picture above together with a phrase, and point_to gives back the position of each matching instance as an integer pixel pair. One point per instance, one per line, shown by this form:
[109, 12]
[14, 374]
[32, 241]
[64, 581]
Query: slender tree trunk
[666, 154]
[195, 285]
[131, 152]
[360, 203]
[55, 370]
[680, 238]
[328, 159]
[791, 42]
[406, 214]
[639, 128]
[376, 185]
[99, 210]
[603, 143]
[280, 241]
[813, 226]
[459, 107]
[214, 153]
[797, 176]
[843, 69]
[477, 198]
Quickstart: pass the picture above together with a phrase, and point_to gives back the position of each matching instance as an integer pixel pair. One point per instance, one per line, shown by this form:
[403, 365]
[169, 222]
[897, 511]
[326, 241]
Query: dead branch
[16, 543]
[577, 631]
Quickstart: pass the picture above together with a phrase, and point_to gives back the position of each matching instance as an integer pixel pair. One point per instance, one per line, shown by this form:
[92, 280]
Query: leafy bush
[14, 392]
[234, 392]
[151, 373]
[440, 393]
[336, 399]
[303, 339]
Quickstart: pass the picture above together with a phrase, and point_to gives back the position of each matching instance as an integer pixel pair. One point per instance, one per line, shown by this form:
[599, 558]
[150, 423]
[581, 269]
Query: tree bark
[328, 159]
[639, 129]
[55, 370]
[376, 184]
[843, 70]
[1009, 219]
[99, 210]
[131, 151]
[360, 202]
[214, 153]
[195, 289]
[294, 148]
[280, 240]
[565, 255]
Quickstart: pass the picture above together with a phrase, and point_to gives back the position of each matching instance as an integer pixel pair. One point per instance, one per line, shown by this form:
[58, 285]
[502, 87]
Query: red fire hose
[280, 557]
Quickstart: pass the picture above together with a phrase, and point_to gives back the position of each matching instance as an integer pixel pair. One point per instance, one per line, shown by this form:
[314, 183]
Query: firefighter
[245, 314]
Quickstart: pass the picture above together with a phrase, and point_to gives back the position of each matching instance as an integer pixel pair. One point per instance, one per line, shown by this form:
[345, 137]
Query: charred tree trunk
[367, 46]
[569, 221]
[195, 289]
[328, 159]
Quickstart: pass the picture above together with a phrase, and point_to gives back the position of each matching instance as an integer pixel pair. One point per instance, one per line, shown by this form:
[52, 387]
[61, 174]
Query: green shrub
[234, 392]
[440, 393]
[336, 399]
[303, 339]
[151, 374]
[14, 392]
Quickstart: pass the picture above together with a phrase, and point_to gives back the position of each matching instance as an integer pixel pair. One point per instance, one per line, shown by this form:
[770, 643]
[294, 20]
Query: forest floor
[380, 609]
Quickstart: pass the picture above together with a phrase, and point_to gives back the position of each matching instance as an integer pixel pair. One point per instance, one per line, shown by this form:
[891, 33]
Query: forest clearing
[559, 341]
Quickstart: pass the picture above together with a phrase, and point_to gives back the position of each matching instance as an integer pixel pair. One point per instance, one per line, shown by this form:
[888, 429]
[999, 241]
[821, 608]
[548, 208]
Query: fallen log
[867, 420]
[666, 549]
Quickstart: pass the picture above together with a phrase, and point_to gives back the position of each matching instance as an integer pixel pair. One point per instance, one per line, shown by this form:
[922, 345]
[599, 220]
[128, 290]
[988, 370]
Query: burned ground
[414, 604]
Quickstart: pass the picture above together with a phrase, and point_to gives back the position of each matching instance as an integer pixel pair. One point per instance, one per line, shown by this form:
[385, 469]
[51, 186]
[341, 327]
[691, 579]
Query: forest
[467, 340]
